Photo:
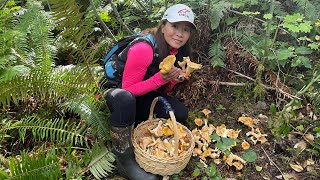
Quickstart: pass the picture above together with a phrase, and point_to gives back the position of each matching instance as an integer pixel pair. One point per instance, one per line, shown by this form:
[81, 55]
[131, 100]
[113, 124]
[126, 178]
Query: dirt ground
[227, 103]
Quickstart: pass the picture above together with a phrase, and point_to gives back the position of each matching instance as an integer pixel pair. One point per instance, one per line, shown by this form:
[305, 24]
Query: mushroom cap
[167, 63]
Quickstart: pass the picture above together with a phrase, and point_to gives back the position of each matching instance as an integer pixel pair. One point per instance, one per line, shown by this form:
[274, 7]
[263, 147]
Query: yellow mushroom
[233, 133]
[238, 165]
[144, 142]
[169, 147]
[191, 66]
[232, 157]
[166, 64]
[248, 121]
[157, 131]
[245, 145]
[198, 121]
[167, 131]
[255, 137]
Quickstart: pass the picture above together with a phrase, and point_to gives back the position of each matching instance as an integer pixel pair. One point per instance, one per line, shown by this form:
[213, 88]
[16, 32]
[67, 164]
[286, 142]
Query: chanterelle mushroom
[191, 66]
[257, 136]
[167, 64]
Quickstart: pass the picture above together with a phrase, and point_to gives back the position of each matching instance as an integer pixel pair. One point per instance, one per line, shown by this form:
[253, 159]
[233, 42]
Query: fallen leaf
[300, 145]
[308, 163]
[258, 168]
[296, 167]
[287, 176]
[309, 137]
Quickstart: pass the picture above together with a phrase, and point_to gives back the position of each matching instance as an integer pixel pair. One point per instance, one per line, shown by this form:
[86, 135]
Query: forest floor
[227, 104]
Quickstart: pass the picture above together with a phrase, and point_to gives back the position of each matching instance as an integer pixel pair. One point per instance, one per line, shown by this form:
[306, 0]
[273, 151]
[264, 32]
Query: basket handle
[167, 107]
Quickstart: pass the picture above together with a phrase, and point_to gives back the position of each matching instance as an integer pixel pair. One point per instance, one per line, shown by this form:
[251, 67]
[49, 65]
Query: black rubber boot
[125, 160]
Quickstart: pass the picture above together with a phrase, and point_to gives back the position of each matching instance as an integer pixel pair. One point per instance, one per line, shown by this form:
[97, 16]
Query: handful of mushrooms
[160, 140]
[186, 65]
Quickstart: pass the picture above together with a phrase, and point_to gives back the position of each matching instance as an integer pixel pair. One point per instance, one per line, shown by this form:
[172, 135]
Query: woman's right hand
[172, 74]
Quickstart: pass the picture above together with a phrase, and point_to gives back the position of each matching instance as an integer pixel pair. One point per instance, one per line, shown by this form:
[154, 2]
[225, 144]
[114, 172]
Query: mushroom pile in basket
[159, 141]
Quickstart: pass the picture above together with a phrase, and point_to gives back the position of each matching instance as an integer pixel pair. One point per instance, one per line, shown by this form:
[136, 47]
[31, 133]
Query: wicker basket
[157, 165]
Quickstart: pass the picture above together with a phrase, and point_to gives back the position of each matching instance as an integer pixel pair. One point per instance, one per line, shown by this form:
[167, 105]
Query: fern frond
[217, 54]
[55, 130]
[101, 161]
[75, 27]
[47, 86]
[310, 9]
[35, 167]
[34, 44]
[279, 9]
[217, 10]
[89, 112]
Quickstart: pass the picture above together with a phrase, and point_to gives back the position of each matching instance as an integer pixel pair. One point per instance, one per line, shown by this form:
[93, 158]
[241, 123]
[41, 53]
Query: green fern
[217, 10]
[34, 43]
[76, 28]
[101, 161]
[217, 54]
[46, 86]
[88, 111]
[55, 130]
[310, 9]
[35, 166]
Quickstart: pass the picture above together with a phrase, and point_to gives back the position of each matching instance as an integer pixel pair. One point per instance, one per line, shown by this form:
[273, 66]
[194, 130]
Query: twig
[272, 161]
[268, 87]
[229, 83]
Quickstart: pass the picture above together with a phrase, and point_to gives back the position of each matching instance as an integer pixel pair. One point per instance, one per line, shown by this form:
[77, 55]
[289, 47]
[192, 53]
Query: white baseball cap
[179, 13]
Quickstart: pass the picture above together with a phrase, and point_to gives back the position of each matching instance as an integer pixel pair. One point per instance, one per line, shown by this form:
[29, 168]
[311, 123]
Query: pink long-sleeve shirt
[139, 58]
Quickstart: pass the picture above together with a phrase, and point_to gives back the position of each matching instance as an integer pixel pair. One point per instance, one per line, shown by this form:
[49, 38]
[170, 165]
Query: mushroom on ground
[255, 137]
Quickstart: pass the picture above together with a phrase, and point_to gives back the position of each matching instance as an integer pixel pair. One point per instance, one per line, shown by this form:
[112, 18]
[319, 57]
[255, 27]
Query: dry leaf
[300, 145]
[309, 137]
[286, 176]
[296, 167]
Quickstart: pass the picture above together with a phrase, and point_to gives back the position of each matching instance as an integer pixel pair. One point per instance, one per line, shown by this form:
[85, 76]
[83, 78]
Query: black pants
[127, 109]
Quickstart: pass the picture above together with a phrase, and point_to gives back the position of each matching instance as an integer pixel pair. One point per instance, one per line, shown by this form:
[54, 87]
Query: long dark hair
[163, 49]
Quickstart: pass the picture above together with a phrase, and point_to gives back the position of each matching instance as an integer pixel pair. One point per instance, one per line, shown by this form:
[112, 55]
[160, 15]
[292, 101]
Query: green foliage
[207, 172]
[101, 161]
[216, 11]
[47, 87]
[250, 156]
[55, 130]
[35, 166]
[33, 45]
[216, 54]
[89, 112]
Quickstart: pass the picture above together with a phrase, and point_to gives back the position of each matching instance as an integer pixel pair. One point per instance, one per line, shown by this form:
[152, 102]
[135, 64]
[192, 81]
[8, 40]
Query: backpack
[114, 66]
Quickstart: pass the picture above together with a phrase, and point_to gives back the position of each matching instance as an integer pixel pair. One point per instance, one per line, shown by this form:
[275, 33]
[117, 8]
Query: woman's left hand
[173, 74]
